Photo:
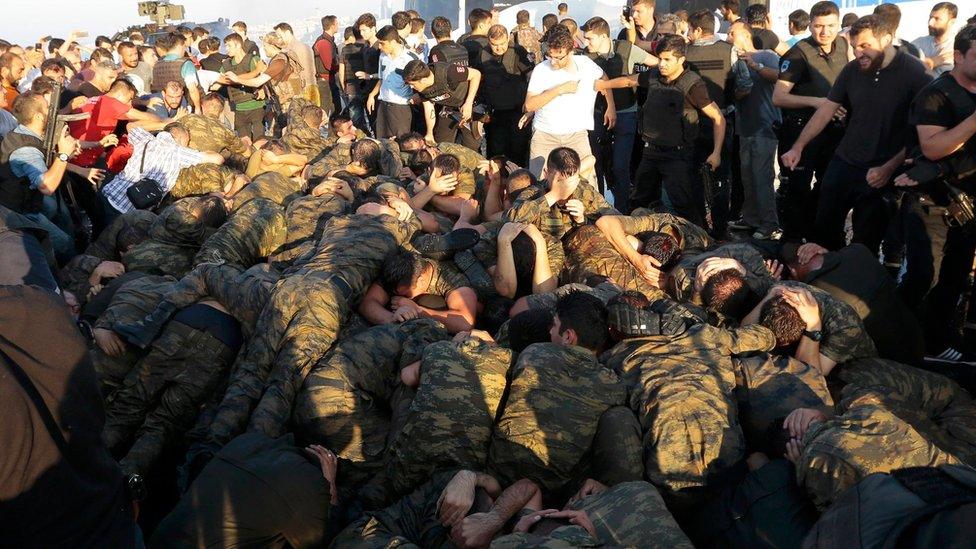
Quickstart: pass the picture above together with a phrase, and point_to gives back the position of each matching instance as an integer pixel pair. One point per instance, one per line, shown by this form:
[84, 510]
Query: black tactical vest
[822, 69]
[452, 53]
[667, 120]
[614, 66]
[239, 94]
[165, 72]
[15, 192]
[503, 85]
[440, 92]
[713, 63]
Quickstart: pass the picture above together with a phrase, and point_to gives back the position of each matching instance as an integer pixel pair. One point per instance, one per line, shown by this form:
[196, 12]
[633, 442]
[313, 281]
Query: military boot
[477, 275]
[444, 246]
[142, 333]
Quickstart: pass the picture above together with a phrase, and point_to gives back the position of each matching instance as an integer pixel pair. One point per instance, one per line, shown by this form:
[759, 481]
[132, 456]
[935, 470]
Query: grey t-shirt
[755, 113]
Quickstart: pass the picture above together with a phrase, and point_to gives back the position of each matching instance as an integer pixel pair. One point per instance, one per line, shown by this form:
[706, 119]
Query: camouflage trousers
[632, 514]
[450, 419]
[296, 328]
[253, 232]
[306, 217]
[243, 293]
[616, 450]
[161, 396]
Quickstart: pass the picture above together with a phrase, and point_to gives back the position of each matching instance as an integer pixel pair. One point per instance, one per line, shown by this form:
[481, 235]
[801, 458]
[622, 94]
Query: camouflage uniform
[486, 250]
[616, 455]
[632, 514]
[305, 140]
[564, 537]
[769, 387]
[872, 434]
[162, 395]
[344, 402]
[253, 232]
[306, 217]
[681, 389]
[271, 185]
[74, 275]
[174, 238]
[302, 319]
[681, 279]
[130, 303]
[339, 157]
[693, 239]
[556, 397]
[450, 419]
[202, 179]
[603, 291]
[588, 253]
[844, 336]
[209, 135]
[410, 522]
[532, 207]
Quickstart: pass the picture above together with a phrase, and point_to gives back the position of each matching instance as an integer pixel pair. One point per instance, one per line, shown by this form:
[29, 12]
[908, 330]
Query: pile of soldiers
[383, 342]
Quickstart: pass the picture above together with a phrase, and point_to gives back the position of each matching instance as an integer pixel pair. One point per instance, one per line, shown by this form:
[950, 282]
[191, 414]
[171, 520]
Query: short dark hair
[213, 211]
[400, 268]
[351, 32]
[965, 39]
[211, 44]
[410, 138]
[875, 23]
[671, 43]
[366, 20]
[26, 105]
[562, 6]
[559, 38]
[419, 161]
[662, 247]
[241, 25]
[497, 31]
[388, 34]
[564, 160]
[283, 27]
[125, 44]
[522, 17]
[54, 45]
[200, 32]
[55, 63]
[784, 321]
[570, 25]
[528, 327]
[823, 9]
[478, 17]
[949, 7]
[586, 315]
[520, 175]
[415, 70]
[703, 20]
[400, 20]
[549, 21]
[800, 19]
[328, 21]
[44, 84]
[597, 25]
[214, 97]
[446, 163]
[101, 39]
[726, 292]
[123, 84]
[756, 14]
[168, 41]
[417, 25]
[234, 37]
[731, 5]
[368, 153]
[440, 27]
[848, 20]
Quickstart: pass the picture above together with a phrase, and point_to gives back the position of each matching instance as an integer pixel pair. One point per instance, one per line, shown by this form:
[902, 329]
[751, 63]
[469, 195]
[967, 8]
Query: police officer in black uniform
[352, 60]
[446, 50]
[613, 148]
[669, 125]
[453, 89]
[807, 72]
[713, 60]
[505, 69]
[939, 245]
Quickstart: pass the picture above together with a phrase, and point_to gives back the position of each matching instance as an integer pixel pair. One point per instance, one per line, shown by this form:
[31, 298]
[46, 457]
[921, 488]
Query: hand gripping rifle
[52, 132]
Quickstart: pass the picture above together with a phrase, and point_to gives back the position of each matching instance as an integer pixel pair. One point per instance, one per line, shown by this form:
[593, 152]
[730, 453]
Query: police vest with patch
[440, 91]
[822, 69]
[16, 192]
[237, 93]
[166, 71]
[503, 84]
[713, 62]
[450, 52]
[615, 65]
[667, 120]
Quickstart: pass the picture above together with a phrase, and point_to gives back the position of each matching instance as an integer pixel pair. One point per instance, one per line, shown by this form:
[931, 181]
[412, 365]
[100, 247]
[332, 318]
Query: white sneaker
[774, 234]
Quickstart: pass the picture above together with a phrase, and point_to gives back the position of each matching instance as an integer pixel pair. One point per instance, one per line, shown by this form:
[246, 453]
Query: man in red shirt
[327, 65]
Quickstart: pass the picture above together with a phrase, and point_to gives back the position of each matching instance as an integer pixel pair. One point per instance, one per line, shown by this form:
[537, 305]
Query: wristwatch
[761, 66]
[63, 157]
[815, 335]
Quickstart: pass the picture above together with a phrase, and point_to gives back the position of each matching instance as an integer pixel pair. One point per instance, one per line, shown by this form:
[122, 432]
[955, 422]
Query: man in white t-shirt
[561, 95]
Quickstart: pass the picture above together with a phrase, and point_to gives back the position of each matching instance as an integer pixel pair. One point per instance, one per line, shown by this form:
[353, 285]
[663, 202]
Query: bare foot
[329, 463]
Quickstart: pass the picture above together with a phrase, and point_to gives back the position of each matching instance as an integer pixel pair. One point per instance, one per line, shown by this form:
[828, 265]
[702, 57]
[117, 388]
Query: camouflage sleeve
[746, 339]
[202, 179]
[529, 210]
[596, 205]
[231, 141]
[557, 255]
[825, 477]
[74, 275]
[844, 335]
[390, 161]
[466, 184]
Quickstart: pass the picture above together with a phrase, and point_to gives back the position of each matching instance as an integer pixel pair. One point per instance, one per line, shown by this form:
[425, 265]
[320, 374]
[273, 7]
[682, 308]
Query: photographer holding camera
[940, 234]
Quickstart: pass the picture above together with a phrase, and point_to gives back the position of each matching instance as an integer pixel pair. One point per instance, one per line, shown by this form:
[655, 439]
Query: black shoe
[136, 486]
[142, 333]
[444, 246]
[475, 272]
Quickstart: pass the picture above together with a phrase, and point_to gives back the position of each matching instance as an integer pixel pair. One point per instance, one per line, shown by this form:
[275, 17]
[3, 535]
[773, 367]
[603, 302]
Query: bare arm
[613, 231]
[373, 307]
[462, 305]
[718, 126]
[505, 278]
[817, 123]
[783, 99]
[542, 279]
[628, 81]
[938, 142]
[474, 82]
[194, 92]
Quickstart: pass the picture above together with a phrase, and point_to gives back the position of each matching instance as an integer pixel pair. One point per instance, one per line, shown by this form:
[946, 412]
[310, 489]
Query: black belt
[340, 283]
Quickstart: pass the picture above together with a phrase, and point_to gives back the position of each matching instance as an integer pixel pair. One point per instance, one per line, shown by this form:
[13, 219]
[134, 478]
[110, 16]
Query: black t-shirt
[877, 104]
[212, 62]
[89, 90]
[475, 45]
[351, 57]
[933, 106]
[54, 495]
[764, 39]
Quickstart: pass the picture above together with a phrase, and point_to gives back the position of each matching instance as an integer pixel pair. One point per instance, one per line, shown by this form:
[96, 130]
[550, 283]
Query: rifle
[52, 132]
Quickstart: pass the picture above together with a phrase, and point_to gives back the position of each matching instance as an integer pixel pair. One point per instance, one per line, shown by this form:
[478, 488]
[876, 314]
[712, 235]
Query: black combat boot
[444, 246]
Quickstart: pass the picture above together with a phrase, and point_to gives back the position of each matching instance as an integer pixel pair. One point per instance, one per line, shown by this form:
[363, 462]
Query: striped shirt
[164, 160]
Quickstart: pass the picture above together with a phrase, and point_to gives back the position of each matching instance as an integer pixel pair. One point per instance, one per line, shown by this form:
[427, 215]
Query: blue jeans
[624, 134]
[62, 242]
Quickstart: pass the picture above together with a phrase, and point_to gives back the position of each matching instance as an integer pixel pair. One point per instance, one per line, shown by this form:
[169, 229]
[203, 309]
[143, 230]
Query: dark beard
[936, 33]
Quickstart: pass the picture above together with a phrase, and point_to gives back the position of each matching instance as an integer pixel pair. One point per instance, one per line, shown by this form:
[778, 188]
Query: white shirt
[571, 112]
[928, 47]
[394, 89]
